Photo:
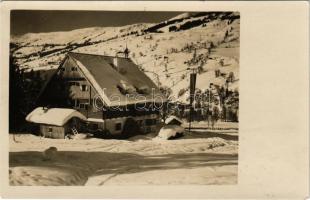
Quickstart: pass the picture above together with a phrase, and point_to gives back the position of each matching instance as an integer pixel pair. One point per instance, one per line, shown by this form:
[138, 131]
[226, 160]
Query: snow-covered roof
[53, 116]
[94, 120]
[100, 71]
[172, 118]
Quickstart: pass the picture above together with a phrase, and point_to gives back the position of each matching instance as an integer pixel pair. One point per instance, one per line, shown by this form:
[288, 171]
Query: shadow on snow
[101, 163]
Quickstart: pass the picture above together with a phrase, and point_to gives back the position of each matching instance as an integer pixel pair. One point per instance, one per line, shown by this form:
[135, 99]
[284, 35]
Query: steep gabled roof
[107, 79]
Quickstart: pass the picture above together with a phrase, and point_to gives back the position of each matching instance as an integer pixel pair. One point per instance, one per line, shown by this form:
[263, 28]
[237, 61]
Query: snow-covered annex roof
[53, 116]
[173, 119]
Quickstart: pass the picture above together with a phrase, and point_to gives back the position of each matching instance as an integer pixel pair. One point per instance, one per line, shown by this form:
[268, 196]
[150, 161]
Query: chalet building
[111, 93]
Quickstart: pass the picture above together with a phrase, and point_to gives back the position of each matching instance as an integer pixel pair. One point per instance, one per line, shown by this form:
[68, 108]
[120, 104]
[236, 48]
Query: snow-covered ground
[200, 157]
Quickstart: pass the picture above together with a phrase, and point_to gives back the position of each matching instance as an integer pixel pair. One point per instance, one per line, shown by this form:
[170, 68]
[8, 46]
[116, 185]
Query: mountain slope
[163, 51]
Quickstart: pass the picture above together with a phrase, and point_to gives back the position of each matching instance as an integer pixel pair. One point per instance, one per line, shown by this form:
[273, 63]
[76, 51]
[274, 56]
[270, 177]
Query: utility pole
[227, 84]
[104, 117]
[192, 88]
[209, 104]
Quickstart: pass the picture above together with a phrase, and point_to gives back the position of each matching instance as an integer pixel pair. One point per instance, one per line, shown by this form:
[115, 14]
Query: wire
[181, 79]
[176, 72]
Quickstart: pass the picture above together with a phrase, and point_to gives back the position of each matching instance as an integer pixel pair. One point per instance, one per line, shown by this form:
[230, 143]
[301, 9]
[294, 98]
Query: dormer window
[126, 88]
[144, 89]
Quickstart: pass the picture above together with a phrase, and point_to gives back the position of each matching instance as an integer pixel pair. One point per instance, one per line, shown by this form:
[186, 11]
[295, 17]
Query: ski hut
[56, 122]
[112, 93]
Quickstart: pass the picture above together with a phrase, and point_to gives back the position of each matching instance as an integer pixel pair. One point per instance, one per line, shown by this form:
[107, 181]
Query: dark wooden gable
[69, 88]
[69, 70]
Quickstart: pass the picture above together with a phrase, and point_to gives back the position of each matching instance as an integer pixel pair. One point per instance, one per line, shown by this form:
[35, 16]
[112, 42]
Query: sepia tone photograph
[123, 98]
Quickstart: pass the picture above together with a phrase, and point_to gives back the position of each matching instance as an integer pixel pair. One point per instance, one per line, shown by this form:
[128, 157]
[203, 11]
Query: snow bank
[170, 131]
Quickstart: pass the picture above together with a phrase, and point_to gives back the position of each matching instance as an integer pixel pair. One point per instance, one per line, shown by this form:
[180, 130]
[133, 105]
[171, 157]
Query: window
[83, 105]
[84, 88]
[118, 126]
[77, 102]
[73, 68]
[95, 126]
[139, 122]
[50, 129]
[150, 122]
[72, 83]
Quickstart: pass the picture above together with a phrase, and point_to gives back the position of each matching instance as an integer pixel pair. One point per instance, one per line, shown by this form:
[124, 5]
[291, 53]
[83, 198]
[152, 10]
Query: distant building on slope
[111, 92]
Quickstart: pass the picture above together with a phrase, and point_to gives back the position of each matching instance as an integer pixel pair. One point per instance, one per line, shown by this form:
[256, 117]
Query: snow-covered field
[200, 157]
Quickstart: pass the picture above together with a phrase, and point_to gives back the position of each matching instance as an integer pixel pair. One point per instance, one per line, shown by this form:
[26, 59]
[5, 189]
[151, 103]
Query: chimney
[115, 62]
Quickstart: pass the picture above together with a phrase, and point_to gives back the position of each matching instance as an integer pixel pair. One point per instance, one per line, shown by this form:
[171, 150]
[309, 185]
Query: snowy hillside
[163, 51]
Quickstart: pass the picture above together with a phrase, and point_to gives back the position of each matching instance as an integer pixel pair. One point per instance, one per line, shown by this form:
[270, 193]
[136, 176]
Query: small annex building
[56, 122]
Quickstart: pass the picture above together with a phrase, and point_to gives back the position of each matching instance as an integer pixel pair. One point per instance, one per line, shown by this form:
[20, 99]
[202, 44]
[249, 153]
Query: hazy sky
[34, 21]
